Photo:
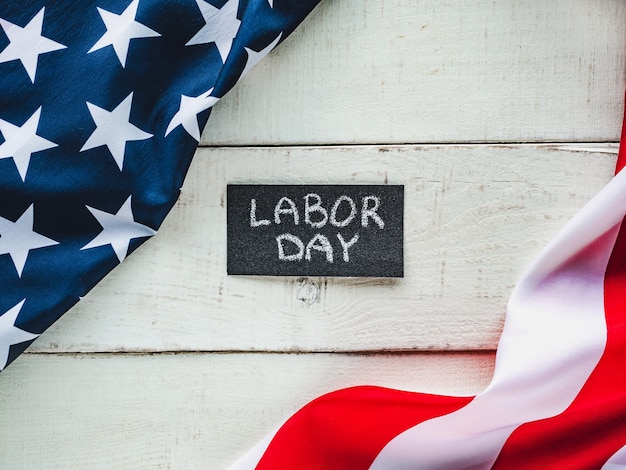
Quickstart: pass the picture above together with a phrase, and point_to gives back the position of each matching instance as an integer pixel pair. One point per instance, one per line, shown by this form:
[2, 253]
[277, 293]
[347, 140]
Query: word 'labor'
[285, 206]
[342, 213]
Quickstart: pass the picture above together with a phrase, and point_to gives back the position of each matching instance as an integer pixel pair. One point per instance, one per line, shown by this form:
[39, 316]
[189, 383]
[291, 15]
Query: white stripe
[617, 461]
[554, 335]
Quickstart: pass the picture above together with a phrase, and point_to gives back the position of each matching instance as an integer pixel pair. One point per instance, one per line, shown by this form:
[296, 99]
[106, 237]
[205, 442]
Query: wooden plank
[187, 410]
[436, 71]
[475, 216]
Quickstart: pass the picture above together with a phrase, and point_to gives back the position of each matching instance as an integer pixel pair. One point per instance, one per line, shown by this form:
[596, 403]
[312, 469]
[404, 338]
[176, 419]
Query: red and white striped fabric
[557, 399]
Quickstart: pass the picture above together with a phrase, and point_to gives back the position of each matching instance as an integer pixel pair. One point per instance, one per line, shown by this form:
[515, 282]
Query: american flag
[101, 108]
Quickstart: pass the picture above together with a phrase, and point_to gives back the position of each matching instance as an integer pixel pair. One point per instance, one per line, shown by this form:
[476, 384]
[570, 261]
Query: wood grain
[187, 411]
[436, 71]
[475, 215]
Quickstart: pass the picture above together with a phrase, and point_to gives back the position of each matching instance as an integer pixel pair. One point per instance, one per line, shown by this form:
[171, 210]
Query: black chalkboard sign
[315, 230]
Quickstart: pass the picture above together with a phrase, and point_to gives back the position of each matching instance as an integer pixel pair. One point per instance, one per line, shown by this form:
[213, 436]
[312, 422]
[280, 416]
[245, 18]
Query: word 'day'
[307, 230]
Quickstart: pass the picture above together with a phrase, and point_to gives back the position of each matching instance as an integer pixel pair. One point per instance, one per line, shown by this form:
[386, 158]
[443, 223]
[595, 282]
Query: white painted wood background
[501, 118]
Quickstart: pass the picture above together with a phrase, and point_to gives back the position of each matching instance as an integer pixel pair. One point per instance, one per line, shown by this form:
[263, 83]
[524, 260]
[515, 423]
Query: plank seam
[543, 143]
[398, 352]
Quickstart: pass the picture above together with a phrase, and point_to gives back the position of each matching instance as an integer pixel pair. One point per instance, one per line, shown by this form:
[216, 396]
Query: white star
[187, 114]
[271, 2]
[255, 57]
[10, 334]
[113, 129]
[120, 30]
[18, 238]
[221, 26]
[27, 44]
[21, 142]
[118, 229]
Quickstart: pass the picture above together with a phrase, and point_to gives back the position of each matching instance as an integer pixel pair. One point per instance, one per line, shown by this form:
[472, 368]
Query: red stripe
[348, 428]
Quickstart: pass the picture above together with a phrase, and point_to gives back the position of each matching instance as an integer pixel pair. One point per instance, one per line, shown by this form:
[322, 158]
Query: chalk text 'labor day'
[344, 213]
